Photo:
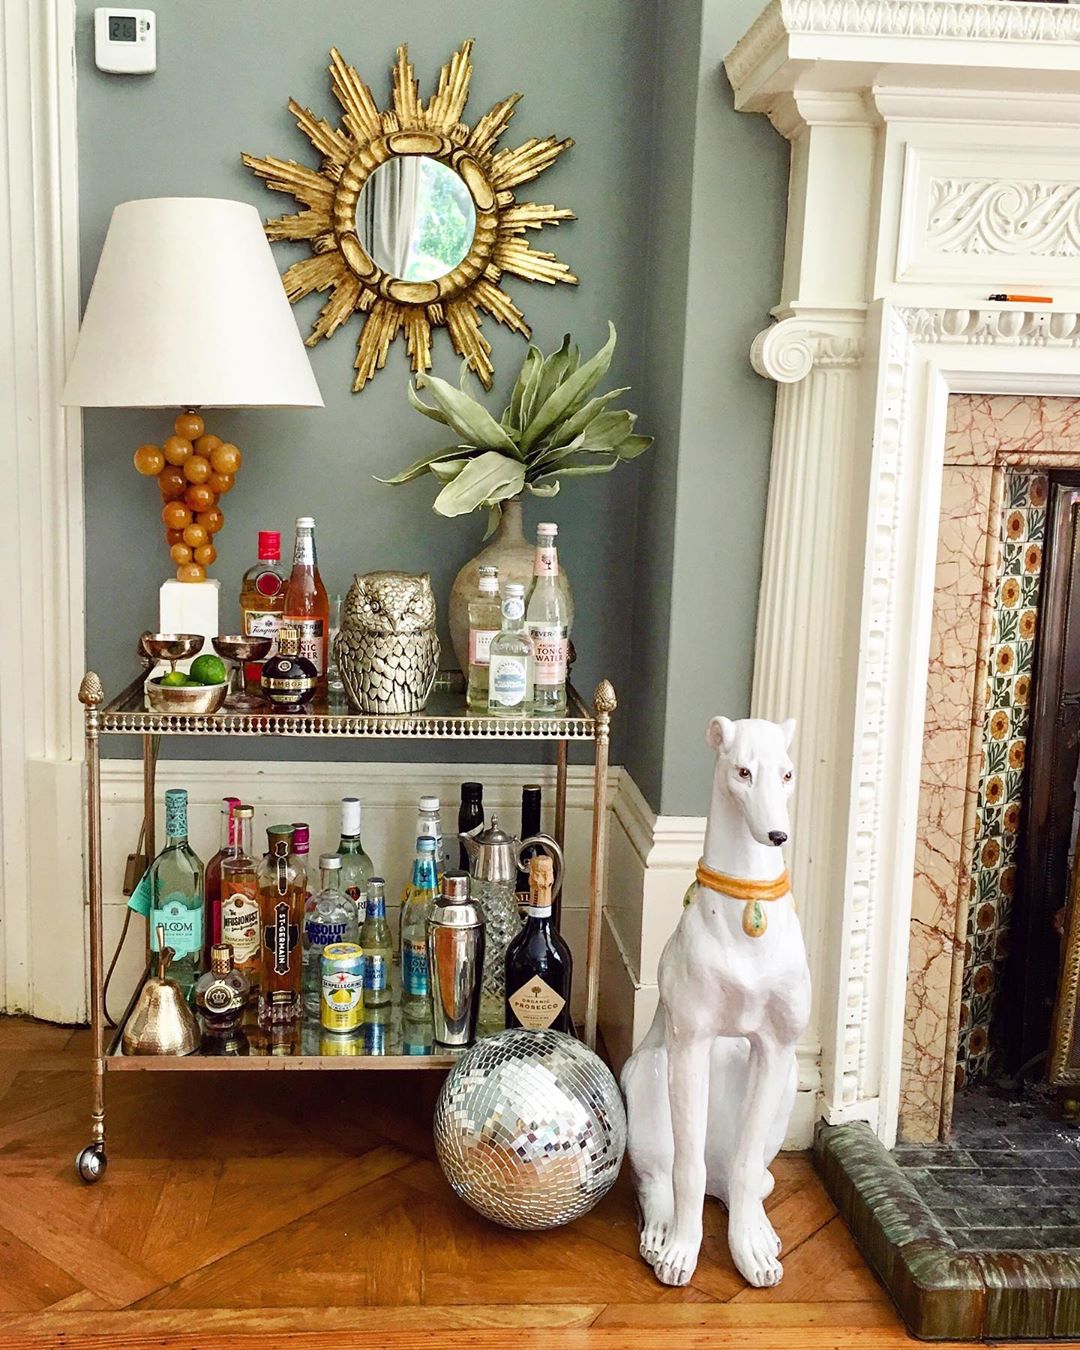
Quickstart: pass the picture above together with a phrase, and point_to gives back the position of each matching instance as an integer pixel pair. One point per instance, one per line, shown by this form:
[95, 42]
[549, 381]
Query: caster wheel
[91, 1162]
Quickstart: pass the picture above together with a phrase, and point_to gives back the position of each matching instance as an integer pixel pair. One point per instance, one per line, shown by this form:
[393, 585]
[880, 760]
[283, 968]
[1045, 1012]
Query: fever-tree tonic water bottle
[419, 902]
[509, 672]
[547, 620]
[177, 898]
[329, 918]
[378, 951]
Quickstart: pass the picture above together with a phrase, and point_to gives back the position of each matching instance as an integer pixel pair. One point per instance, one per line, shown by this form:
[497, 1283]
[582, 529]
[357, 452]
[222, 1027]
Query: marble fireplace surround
[935, 160]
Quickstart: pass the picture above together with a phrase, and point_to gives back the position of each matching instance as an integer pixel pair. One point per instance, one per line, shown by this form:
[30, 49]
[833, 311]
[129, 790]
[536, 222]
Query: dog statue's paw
[754, 1249]
[654, 1231]
[677, 1260]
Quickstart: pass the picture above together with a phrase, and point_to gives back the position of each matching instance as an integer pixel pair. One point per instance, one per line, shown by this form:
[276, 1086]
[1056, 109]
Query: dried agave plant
[553, 428]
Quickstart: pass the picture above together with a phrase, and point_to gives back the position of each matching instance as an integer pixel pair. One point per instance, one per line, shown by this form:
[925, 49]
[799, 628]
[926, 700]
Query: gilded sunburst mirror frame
[351, 152]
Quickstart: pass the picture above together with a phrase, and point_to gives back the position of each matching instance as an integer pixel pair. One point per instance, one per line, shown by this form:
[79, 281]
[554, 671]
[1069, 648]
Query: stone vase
[512, 554]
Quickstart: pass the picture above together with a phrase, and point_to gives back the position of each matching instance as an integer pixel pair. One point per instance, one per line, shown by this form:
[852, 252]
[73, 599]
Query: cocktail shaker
[455, 941]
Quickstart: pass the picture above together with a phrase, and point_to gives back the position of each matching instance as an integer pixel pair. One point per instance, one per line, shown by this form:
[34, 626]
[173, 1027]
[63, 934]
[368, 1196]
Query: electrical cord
[110, 1021]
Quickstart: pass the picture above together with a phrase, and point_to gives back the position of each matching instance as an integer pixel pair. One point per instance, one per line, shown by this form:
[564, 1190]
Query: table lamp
[187, 311]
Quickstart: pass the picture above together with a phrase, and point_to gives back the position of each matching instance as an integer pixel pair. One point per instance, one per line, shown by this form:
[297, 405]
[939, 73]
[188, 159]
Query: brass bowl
[185, 699]
[240, 647]
[170, 646]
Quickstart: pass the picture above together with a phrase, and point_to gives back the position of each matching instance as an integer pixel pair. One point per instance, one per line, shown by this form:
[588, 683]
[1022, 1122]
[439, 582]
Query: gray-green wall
[680, 210]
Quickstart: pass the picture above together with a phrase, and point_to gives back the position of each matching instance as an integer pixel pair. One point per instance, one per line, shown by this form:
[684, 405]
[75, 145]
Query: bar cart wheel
[91, 1162]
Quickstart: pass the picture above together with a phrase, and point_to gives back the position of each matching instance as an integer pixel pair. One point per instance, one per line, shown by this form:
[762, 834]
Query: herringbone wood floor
[272, 1209]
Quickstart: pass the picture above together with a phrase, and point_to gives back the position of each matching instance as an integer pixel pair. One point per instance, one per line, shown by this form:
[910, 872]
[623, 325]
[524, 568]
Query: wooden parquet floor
[309, 1210]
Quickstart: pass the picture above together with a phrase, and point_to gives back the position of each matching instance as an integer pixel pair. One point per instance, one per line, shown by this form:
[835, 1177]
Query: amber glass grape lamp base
[194, 469]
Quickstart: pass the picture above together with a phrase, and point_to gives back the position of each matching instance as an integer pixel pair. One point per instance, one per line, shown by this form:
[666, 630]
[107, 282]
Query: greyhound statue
[711, 1088]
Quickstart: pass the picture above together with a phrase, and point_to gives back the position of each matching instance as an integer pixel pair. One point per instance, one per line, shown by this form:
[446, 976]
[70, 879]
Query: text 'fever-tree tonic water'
[240, 923]
[547, 621]
[378, 952]
[510, 668]
[177, 897]
[282, 890]
[415, 912]
[485, 620]
[329, 918]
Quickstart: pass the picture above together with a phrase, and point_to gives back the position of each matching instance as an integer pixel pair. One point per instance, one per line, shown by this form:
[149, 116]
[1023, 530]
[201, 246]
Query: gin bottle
[378, 952]
[282, 890]
[485, 620]
[415, 912]
[509, 689]
[356, 866]
[329, 916]
[177, 895]
[547, 620]
[240, 926]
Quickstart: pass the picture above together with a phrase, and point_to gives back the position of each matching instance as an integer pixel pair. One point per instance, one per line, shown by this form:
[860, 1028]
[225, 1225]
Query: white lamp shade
[188, 310]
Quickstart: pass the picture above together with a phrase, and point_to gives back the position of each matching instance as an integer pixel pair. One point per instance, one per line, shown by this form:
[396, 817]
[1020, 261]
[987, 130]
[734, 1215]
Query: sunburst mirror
[411, 216]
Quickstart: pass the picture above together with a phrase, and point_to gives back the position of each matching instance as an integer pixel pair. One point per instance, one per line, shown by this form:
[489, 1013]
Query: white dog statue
[711, 1088]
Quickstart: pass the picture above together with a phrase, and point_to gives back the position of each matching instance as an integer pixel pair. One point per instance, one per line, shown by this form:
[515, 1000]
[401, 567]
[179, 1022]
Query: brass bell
[161, 1022]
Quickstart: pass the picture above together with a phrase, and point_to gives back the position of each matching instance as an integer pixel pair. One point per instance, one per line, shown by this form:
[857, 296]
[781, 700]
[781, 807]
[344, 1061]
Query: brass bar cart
[444, 719]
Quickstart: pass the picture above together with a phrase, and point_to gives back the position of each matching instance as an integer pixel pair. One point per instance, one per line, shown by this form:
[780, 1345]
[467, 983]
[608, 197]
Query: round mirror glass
[415, 218]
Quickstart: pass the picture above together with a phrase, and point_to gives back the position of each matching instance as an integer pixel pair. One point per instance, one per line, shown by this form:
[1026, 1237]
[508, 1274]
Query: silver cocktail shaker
[455, 941]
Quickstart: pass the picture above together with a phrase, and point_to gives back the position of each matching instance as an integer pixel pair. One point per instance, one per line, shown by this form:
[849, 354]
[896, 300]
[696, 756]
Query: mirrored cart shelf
[446, 717]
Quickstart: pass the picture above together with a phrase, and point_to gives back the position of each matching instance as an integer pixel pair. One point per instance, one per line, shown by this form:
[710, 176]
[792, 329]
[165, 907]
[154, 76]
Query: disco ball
[530, 1128]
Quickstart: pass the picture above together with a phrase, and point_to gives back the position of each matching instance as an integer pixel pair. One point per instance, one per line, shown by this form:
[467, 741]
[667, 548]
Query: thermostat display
[125, 41]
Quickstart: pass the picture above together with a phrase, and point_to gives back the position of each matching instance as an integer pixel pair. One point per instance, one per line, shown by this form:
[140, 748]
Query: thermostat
[125, 41]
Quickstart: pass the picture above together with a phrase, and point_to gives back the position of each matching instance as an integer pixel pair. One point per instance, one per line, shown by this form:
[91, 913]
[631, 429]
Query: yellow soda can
[341, 1007]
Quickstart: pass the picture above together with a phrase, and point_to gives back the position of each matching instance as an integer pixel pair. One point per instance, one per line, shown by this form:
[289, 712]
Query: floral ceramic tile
[993, 867]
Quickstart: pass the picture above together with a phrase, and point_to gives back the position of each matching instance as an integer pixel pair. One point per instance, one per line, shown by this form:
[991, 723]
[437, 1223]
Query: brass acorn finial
[90, 691]
[604, 700]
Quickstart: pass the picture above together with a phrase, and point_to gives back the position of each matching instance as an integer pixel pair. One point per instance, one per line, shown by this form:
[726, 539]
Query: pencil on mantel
[1024, 299]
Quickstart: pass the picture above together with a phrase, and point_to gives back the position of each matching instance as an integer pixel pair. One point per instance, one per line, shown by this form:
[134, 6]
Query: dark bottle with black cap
[470, 817]
[530, 826]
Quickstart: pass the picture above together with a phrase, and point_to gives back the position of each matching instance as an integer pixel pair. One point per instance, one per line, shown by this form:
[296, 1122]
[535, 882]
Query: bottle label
[221, 998]
[508, 681]
[342, 1007]
[269, 582]
[303, 637]
[480, 640]
[359, 899]
[176, 814]
[320, 934]
[550, 652]
[375, 971]
[183, 926]
[546, 563]
[262, 623]
[240, 925]
[536, 1005]
[280, 938]
[513, 608]
[414, 968]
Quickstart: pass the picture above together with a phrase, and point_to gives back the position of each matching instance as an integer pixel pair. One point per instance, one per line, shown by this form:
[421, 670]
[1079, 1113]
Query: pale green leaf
[490, 477]
[494, 516]
[470, 419]
[634, 446]
[573, 426]
[556, 368]
[421, 466]
[540, 489]
[569, 396]
[581, 470]
[446, 470]
[425, 408]
[534, 358]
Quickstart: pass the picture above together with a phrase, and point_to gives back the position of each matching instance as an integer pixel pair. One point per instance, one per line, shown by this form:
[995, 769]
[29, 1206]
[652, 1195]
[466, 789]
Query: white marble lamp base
[189, 607]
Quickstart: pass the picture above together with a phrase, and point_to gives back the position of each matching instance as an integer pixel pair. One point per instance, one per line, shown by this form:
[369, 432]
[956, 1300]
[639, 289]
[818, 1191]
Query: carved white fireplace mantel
[935, 161]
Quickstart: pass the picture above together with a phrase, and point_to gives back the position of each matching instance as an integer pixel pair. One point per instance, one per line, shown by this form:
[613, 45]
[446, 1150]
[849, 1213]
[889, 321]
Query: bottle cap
[541, 874]
[301, 837]
[350, 817]
[329, 862]
[489, 580]
[376, 886]
[514, 589]
[425, 844]
[430, 805]
[277, 832]
[221, 958]
[242, 812]
[455, 886]
[229, 805]
[488, 571]
[547, 529]
[305, 522]
[472, 791]
[269, 545]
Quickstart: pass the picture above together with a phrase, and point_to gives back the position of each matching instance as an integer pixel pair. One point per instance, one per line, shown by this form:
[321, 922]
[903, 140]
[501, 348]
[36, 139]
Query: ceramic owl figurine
[386, 649]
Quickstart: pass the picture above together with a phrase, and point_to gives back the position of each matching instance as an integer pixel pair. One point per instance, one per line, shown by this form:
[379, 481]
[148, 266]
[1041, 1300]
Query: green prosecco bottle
[177, 895]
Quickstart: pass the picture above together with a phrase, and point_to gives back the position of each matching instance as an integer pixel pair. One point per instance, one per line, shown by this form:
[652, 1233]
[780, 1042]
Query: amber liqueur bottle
[539, 967]
[282, 889]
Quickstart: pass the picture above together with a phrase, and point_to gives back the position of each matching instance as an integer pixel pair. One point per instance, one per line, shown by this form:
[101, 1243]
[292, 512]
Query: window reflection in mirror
[415, 218]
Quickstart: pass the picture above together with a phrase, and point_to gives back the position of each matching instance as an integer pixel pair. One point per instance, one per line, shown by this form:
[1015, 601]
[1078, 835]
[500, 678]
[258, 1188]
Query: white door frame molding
[41, 602]
[934, 161]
